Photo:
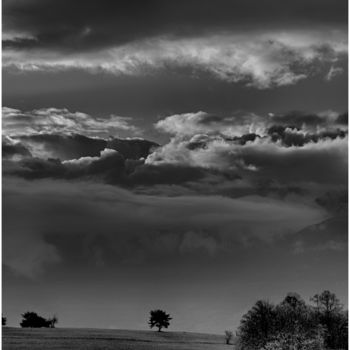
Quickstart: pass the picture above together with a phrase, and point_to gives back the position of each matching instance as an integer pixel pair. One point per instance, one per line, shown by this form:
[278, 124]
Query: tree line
[290, 325]
[293, 324]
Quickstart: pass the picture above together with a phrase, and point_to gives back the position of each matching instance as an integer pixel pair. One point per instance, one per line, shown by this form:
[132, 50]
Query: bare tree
[228, 336]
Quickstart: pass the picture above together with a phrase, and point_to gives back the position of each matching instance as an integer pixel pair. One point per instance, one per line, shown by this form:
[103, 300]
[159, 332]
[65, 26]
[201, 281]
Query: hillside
[86, 339]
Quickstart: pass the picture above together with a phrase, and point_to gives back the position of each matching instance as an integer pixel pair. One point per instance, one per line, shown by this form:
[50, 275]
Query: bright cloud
[61, 121]
[261, 60]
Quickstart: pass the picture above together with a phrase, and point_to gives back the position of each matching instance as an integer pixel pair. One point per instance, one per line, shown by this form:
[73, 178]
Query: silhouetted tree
[331, 315]
[4, 320]
[228, 336]
[293, 324]
[257, 325]
[33, 320]
[159, 319]
[293, 314]
[326, 302]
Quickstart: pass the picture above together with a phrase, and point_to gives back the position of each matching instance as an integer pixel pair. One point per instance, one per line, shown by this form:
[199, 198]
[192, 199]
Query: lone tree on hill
[159, 319]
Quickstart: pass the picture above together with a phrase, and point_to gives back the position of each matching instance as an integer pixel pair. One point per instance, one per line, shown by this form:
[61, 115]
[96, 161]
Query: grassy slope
[88, 339]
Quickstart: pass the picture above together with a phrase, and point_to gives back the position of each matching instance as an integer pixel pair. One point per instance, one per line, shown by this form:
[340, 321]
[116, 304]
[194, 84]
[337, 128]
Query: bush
[297, 340]
[33, 320]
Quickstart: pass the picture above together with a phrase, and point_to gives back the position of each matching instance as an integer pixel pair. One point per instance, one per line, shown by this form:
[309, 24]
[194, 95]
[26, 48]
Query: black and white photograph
[174, 175]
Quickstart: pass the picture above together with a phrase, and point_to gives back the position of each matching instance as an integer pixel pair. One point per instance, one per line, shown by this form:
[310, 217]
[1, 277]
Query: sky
[189, 156]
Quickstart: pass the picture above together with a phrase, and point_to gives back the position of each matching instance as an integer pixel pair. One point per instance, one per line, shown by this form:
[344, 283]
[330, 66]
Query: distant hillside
[82, 339]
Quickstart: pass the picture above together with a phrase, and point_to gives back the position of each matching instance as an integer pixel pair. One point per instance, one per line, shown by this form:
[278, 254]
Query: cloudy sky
[187, 155]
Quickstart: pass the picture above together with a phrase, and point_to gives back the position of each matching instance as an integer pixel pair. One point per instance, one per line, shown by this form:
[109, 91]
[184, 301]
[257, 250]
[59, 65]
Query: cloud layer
[131, 227]
[260, 60]
[61, 121]
[235, 152]
[233, 180]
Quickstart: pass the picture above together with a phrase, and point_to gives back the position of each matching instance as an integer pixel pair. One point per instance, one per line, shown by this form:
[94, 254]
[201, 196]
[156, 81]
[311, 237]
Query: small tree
[4, 321]
[228, 336]
[51, 322]
[159, 319]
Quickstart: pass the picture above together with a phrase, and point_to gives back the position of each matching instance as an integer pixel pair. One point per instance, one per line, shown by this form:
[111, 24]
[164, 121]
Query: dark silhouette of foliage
[159, 319]
[4, 321]
[326, 302]
[332, 317]
[293, 314]
[257, 325]
[293, 324]
[33, 320]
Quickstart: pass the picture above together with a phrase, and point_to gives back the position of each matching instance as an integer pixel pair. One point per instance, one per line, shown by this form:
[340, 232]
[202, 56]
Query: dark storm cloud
[134, 228]
[12, 149]
[343, 119]
[209, 154]
[296, 151]
[74, 146]
[293, 136]
[89, 24]
[335, 201]
[232, 41]
[112, 167]
[326, 237]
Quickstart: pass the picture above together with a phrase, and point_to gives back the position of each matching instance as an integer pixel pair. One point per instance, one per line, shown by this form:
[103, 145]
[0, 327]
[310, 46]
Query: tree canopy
[159, 319]
[292, 324]
[33, 320]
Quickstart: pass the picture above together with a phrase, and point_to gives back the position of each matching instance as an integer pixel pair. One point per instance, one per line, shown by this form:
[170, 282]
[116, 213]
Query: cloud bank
[62, 121]
[131, 227]
[218, 184]
[261, 60]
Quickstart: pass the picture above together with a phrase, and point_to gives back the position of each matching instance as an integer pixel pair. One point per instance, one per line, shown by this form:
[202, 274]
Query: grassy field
[102, 339]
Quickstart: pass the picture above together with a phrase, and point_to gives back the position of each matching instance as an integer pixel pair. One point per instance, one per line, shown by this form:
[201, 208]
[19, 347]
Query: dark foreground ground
[102, 339]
